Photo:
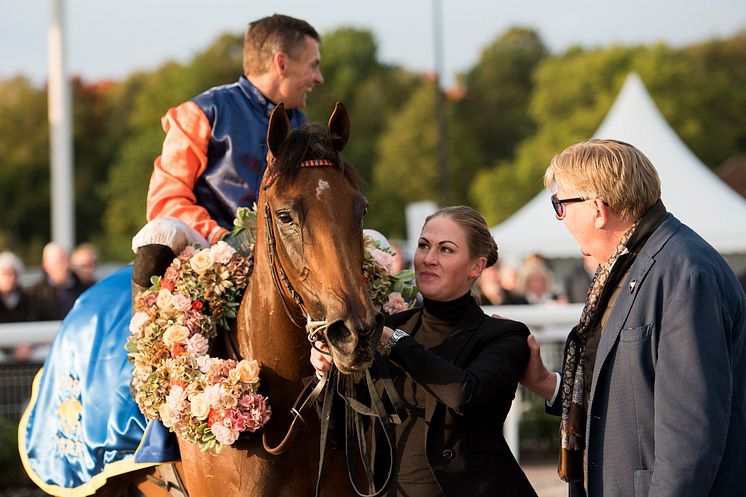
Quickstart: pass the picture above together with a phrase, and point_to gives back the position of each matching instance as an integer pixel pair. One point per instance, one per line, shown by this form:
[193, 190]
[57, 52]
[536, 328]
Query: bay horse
[308, 266]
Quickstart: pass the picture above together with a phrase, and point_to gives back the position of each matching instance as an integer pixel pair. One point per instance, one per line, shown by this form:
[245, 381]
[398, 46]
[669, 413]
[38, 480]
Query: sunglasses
[559, 204]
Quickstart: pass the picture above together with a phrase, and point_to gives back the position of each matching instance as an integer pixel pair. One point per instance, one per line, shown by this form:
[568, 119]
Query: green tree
[24, 174]
[498, 90]
[369, 89]
[406, 168]
[697, 88]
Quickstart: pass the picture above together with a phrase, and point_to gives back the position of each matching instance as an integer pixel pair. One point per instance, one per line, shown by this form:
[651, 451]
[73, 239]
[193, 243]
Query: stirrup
[170, 480]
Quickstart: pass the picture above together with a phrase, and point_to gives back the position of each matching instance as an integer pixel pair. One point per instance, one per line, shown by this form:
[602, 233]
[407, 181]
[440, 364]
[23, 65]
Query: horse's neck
[266, 331]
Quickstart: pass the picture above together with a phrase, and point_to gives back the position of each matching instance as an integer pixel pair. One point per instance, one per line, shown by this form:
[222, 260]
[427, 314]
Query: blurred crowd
[64, 276]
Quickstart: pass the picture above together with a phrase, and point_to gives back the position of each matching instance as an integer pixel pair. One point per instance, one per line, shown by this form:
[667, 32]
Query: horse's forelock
[311, 141]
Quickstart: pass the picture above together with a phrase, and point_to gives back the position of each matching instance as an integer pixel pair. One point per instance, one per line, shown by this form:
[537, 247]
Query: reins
[332, 383]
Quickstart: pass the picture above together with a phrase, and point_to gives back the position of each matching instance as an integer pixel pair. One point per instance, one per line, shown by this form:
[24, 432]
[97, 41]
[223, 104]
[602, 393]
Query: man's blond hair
[610, 170]
[269, 35]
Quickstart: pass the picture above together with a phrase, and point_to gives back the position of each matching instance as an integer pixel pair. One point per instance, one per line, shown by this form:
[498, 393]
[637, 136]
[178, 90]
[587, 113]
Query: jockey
[214, 152]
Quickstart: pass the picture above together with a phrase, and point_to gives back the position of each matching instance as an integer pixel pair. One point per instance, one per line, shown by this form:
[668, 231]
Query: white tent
[690, 190]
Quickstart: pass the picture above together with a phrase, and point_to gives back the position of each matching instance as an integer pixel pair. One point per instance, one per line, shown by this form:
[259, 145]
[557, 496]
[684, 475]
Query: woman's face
[442, 261]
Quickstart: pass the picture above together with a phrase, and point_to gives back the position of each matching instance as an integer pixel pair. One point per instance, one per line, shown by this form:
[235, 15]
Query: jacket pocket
[636, 334]
[643, 477]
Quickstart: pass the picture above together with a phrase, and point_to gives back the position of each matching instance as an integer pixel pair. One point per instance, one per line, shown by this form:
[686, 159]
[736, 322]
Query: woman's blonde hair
[610, 170]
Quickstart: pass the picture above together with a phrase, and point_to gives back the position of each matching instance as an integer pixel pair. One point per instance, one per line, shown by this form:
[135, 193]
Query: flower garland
[390, 292]
[203, 399]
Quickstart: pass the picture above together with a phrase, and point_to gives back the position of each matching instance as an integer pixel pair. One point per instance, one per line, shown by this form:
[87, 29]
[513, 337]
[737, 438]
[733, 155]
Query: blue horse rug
[82, 425]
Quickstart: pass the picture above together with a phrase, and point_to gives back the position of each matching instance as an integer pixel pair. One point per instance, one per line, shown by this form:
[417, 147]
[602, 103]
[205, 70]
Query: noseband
[315, 330]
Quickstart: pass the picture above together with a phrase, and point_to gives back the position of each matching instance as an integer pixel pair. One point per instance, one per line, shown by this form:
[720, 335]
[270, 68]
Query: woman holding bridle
[455, 369]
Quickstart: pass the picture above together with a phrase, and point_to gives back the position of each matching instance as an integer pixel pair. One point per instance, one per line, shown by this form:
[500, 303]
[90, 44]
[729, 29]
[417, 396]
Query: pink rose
[395, 304]
[223, 434]
[137, 322]
[181, 302]
[175, 399]
[197, 345]
[213, 394]
[188, 252]
[383, 259]
[222, 252]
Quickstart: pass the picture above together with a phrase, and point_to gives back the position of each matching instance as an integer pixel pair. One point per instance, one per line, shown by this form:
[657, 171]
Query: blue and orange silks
[214, 156]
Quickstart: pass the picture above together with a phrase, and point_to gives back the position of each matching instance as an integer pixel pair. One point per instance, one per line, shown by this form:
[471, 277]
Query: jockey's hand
[385, 335]
[320, 362]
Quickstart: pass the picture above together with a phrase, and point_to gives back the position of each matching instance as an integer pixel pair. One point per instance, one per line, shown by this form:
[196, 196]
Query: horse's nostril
[337, 331]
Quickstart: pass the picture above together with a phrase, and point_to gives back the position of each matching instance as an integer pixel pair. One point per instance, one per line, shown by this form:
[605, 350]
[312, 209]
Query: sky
[110, 39]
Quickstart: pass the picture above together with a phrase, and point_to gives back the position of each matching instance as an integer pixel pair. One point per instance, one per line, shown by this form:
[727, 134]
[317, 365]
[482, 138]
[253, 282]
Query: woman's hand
[321, 362]
[384, 339]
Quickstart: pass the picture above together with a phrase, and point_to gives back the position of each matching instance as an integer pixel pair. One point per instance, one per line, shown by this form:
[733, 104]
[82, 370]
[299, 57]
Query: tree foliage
[406, 168]
[519, 107]
[498, 90]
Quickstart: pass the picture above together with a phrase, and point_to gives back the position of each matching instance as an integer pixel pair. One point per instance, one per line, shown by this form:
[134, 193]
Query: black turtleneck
[414, 476]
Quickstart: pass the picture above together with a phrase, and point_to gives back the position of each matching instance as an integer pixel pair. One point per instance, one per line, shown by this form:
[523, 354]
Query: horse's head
[311, 221]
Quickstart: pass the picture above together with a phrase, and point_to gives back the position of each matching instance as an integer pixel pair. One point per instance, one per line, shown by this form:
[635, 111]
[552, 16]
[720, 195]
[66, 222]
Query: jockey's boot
[150, 260]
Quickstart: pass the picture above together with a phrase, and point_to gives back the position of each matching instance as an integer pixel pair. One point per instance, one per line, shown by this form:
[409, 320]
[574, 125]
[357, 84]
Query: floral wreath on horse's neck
[207, 400]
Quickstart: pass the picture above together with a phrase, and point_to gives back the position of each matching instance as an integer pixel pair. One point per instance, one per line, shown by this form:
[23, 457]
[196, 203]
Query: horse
[308, 260]
[308, 266]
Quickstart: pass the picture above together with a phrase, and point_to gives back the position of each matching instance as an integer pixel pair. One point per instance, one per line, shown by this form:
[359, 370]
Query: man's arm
[176, 170]
[693, 385]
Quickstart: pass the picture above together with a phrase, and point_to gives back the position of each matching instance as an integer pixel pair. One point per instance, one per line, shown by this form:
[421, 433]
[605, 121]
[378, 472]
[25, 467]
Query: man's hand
[536, 377]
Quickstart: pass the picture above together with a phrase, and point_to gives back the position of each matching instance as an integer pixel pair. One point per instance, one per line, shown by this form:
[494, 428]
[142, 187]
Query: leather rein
[333, 383]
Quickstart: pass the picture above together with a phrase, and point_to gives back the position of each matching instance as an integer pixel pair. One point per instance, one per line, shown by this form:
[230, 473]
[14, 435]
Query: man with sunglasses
[652, 393]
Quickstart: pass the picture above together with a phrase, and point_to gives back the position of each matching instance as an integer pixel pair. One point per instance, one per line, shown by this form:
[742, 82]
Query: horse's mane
[308, 142]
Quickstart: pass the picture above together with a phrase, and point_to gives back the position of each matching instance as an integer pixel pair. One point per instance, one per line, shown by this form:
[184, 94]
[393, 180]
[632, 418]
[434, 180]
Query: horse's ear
[278, 130]
[339, 126]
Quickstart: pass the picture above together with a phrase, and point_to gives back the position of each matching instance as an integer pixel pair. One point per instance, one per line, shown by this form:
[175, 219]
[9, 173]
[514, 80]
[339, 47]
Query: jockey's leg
[150, 260]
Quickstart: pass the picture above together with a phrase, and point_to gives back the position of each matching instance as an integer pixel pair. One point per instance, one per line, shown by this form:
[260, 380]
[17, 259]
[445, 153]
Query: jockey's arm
[176, 171]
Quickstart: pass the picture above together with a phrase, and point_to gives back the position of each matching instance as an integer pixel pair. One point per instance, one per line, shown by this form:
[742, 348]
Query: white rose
[201, 261]
[248, 371]
[175, 334]
[200, 408]
[164, 298]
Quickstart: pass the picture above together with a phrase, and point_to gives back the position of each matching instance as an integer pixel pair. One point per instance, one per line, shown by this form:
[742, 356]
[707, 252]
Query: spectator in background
[578, 280]
[535, 283]
[493, 293]
[84, 262]
[58, 288]
[15, 303]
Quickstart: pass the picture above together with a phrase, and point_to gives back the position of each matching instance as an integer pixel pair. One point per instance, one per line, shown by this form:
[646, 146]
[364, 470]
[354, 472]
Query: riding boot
[150, 260]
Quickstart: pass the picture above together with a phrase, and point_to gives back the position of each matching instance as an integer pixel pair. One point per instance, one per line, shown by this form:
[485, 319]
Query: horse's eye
[365, 211]
[284, 217]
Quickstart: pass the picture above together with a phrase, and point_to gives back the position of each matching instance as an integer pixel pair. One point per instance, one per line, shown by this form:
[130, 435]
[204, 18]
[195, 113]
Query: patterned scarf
[605, 281]
[572, 426]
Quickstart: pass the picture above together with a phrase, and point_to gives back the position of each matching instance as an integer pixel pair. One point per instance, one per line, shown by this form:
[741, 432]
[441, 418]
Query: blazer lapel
[631, 285]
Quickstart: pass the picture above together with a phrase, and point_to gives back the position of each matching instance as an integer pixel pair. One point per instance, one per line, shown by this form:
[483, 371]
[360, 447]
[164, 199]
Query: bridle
[332, 384]
[315, 329]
